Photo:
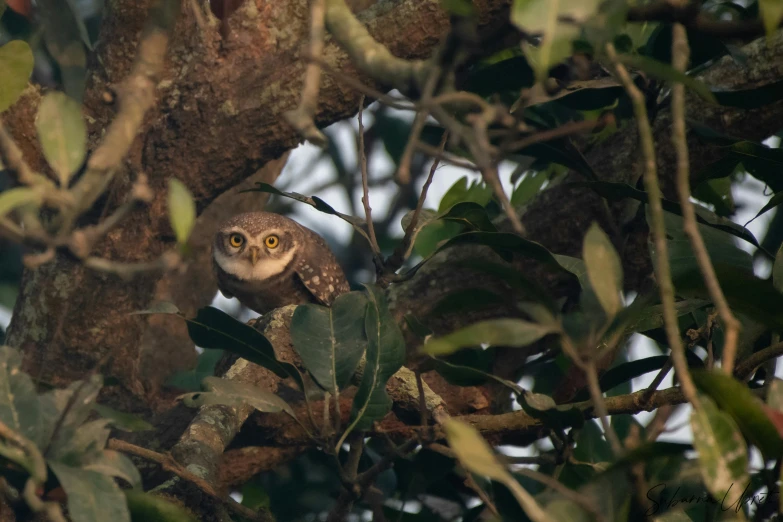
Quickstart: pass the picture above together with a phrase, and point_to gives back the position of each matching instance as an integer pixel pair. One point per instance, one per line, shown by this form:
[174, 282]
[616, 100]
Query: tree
[628, 125]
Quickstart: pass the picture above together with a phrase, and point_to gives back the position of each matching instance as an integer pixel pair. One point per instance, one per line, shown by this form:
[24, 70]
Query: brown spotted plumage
[267, 261]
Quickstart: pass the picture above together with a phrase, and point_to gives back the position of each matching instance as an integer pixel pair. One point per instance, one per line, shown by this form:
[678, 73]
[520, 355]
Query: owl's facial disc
[255, 258]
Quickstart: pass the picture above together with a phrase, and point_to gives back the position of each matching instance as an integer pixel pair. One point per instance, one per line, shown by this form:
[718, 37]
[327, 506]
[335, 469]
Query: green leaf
[652, 317]
[92, 496]
[17, 197]
[254, 495]
[470, 368]
[717, 192]
[544, 408]
[331, 340]
[234, 393]
[603, 269]
[121, 420]
[625, 372]
[505, 245]
[773, 202]
[182, 210]
[19, 408]
[618, 191]
[215, 329]
[114, 464]
[591, 445]
[62, 133]
[750, 98]
[146, 507]
[464, 8]
[529, 186]
[385, 355]
[63, 38]
[190, 380]
[558, 23]
[723, 456]
[745, 293]
[575, 266]
[16, 62]
[460, 192]
[746, 409]
[532, 290]
[473, 452]
[476, 456]
[69, 408]
[471, 215]
[663, 71]
[771, 12]
[761, 162]
[495, 332]
[82, 444]
[720, 247]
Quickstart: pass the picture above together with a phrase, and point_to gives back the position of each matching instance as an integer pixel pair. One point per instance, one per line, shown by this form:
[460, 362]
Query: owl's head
[257, 245]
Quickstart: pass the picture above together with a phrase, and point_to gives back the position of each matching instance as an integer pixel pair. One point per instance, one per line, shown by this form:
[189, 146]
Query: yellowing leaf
[476, 456]
[557, 22]
[16, 64]
[16, 197]
[603, 269]
[771, 12]
[723, 456]
[62, 133]
[182, 210]
[505, 332]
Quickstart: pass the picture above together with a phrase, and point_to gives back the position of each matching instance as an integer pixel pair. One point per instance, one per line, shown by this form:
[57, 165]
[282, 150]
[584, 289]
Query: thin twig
[169, 464]
[52, 510]
[662, 268]
[659, 377]
[403, 174]
[301, 118]
[471, 483]
[567, 129]
[600, 407]
[747, 366]
[680, 54]
[404, 249]
[351, 490]
[376, 250]
[574, 496]
[445, 156]
[37, 469]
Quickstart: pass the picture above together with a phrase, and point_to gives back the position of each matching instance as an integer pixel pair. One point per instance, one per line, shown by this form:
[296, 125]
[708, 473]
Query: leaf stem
[680, 55]
[662, 268]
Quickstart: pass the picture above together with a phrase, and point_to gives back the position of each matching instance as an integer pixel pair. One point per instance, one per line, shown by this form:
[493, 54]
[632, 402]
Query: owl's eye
[236, 240]
[272, 241]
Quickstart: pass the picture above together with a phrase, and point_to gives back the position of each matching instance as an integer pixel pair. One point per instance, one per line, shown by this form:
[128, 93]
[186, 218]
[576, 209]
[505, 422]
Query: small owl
[267, 261]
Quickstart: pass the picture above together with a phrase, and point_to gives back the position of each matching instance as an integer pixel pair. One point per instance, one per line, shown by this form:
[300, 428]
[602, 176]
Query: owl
[267, 261]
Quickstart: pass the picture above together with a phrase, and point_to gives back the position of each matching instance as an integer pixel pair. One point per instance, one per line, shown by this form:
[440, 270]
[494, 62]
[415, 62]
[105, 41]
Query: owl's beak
[254, 251]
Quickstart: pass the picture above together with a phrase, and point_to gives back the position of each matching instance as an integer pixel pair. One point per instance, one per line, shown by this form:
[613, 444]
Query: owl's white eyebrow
[241, 230]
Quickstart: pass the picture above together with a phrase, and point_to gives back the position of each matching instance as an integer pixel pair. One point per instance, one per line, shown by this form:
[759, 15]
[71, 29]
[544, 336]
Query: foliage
[416, 405]
[48, 443]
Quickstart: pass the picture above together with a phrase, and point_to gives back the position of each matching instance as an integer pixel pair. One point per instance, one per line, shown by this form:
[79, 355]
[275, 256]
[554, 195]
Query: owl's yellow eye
[236, 240]
[272, 241]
